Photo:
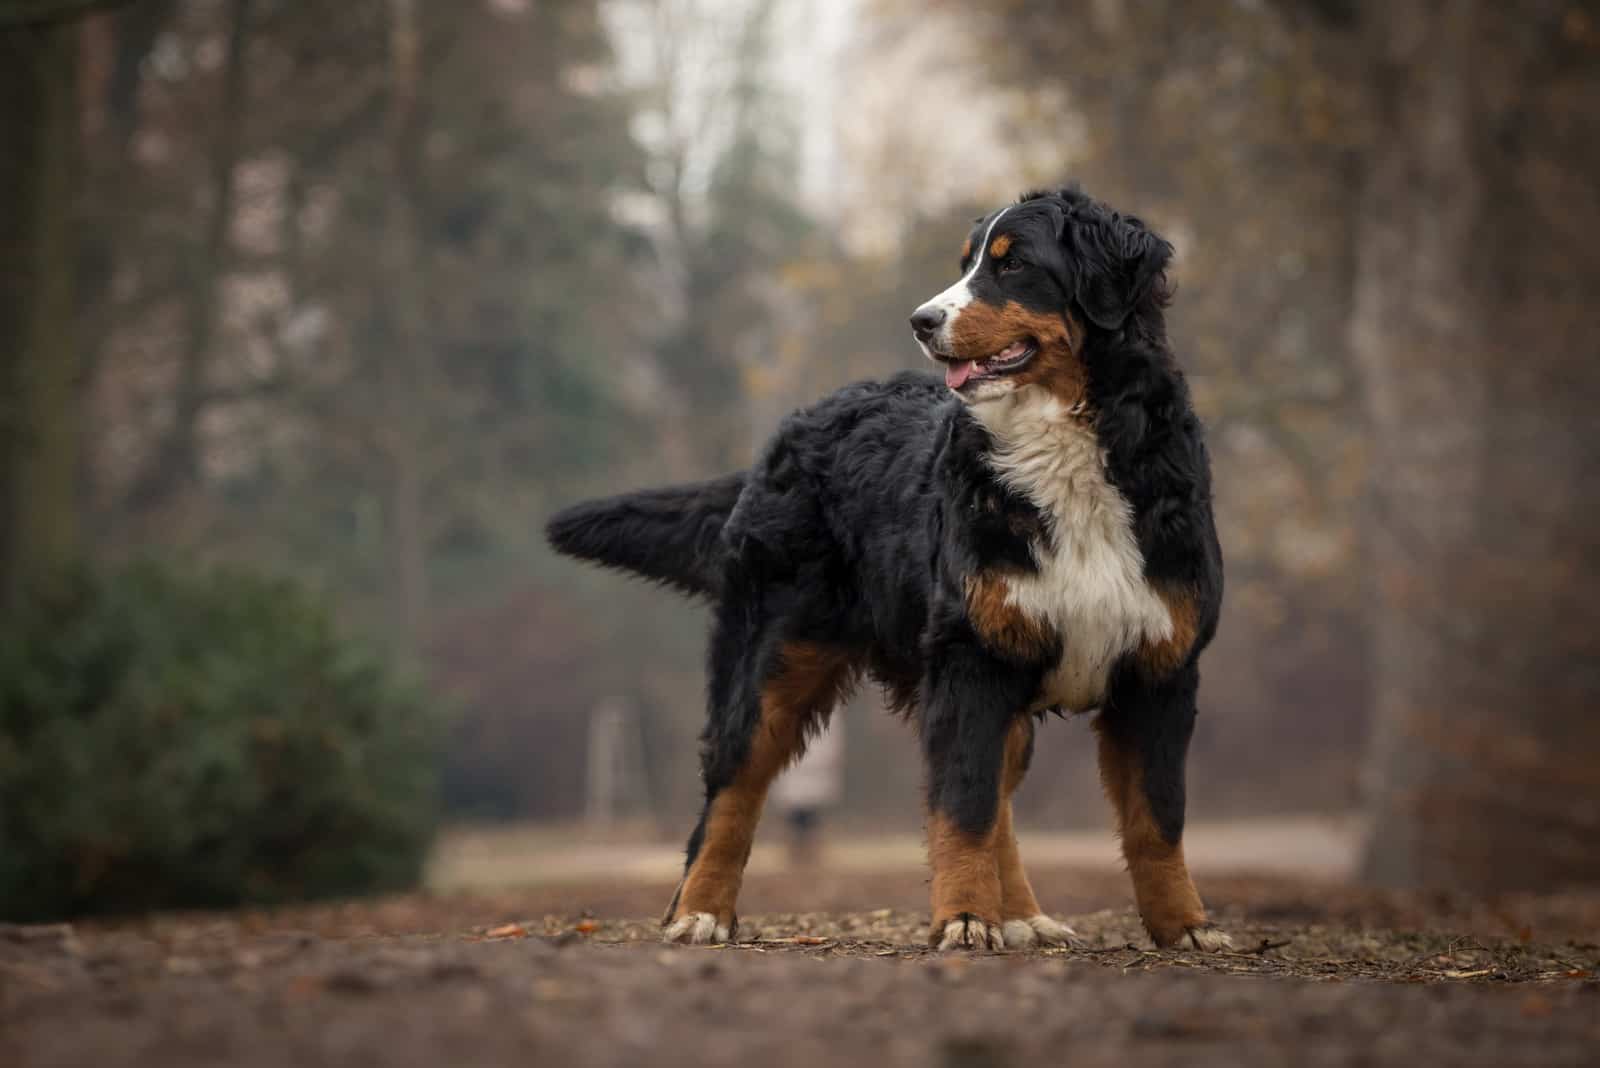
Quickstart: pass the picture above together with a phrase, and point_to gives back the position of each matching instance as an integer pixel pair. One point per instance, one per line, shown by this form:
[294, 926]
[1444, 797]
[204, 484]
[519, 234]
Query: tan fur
[965, 879]
[1000, 246]
[1164, 656]
[1168, 902]
[804, 690]
[1016, 893]
[966, 249]
[1015, 761]
[1003, 627]
[982, 330]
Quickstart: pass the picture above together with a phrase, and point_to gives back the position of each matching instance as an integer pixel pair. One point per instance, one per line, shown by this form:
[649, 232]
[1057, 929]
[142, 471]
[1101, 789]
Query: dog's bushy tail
[671, 535]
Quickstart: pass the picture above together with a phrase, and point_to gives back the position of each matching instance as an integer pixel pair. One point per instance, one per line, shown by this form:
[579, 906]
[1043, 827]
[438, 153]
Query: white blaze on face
[958, 296]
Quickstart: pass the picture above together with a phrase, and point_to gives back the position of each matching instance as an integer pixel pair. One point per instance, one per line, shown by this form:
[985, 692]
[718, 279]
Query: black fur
[862, 521]
[1153, 723]
[669, 535]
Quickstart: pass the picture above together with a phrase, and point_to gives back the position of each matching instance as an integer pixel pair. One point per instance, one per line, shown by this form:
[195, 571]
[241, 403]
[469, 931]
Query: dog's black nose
[926, 320]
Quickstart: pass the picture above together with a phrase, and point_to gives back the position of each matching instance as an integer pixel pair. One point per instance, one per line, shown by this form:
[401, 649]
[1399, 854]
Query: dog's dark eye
[1010, 264]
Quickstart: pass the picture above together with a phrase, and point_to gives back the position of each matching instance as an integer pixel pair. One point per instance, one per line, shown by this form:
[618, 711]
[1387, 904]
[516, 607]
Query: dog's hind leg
[1144, 743]
[756, 730]
[972, 704]
[1023, 923]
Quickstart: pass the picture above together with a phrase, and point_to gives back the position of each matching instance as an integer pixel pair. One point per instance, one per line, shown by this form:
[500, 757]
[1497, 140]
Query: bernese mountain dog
[1032, 533]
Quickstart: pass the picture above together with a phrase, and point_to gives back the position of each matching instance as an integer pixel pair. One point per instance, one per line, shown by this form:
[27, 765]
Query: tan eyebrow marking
[1000, 246]
[966, 248]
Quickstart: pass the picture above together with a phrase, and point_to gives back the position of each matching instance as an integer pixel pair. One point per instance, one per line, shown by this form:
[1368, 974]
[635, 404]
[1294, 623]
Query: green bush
[178, 740]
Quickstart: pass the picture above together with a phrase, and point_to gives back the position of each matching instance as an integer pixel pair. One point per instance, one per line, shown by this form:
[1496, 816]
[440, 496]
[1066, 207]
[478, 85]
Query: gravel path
[1324, 974]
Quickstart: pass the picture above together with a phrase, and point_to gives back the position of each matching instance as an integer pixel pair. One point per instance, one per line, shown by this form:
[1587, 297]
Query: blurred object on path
[805, 795]
[616, 784]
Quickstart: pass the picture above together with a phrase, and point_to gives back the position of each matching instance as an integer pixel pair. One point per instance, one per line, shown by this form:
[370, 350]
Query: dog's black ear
[1119, 265]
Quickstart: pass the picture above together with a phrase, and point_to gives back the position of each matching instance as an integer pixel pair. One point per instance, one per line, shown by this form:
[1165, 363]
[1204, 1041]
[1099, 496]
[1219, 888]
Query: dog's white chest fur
[1090, 586]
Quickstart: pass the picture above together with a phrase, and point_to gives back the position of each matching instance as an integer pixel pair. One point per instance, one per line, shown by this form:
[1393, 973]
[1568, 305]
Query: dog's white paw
[696, 929]
[1038, 930]
[1208, 939]
[966, 931]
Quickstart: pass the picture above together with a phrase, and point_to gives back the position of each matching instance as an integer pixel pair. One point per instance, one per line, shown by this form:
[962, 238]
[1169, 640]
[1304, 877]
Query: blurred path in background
[1323, 847]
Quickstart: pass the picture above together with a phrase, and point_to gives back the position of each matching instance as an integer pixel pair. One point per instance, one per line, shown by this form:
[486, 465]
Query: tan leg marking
[1016, 894]
[981, 895]
[1169, 904]
[1023, 923]
[805, 688]
[966, 887]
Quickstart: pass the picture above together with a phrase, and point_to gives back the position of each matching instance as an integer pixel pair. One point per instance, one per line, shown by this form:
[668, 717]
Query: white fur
[971, 934]
[696, 928]
[1091, 588]
[959, 295]
[1038, 930]
[1209, 939]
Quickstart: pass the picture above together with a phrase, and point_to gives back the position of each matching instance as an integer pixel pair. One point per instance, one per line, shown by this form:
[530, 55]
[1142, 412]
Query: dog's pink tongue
[957, 371]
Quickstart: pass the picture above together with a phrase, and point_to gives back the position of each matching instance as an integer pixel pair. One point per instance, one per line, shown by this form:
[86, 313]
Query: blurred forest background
[357, 294]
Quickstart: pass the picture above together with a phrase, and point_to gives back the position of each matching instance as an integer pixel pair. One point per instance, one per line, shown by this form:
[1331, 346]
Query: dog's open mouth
[957, 373]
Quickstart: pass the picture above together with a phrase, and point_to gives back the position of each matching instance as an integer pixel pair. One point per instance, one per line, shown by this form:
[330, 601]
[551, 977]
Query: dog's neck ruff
[1090, 585]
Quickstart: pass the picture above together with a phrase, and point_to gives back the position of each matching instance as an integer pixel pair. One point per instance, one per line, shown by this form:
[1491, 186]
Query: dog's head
[1038, 280]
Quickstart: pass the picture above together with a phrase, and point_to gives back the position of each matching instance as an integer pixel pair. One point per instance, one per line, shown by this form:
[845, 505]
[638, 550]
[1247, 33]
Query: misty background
[357, 295]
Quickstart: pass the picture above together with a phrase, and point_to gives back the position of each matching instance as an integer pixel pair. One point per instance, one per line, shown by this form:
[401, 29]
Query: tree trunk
[128, 35]
[1471, 328]
[401, 370]
[177, 461]
[39, 167]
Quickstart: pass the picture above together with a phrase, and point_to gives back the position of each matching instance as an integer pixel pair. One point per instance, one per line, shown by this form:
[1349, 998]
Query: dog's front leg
[1144, 744]
[971, 702]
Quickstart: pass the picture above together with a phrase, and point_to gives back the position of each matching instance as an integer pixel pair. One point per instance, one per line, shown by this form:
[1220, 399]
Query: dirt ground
[573, 975]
